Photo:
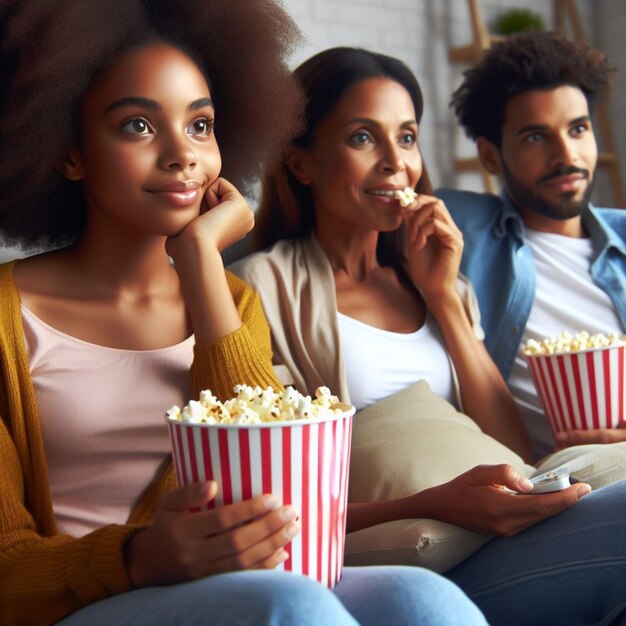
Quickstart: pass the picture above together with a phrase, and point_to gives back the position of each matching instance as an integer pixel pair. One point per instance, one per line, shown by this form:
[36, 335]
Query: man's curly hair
[51, 51]
[533, 60]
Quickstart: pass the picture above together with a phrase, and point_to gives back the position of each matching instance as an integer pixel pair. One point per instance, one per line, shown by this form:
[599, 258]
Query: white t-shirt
[565, 299]
[380, 362]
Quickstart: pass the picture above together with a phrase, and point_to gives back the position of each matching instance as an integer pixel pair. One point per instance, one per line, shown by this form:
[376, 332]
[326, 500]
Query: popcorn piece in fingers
[406, 196]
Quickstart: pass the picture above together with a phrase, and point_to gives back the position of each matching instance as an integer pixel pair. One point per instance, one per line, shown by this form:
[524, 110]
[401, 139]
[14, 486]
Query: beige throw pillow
[401, 445]
[413, 440]
[596, 464]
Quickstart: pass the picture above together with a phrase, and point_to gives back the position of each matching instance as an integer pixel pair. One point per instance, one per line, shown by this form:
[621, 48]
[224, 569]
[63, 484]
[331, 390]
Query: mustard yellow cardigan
[45, 576]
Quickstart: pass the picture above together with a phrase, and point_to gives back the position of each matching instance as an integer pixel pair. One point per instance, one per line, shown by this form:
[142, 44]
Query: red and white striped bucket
[305, 462]
[581, 390]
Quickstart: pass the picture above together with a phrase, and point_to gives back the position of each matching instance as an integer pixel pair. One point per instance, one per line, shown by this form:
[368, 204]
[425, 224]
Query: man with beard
[541, 257]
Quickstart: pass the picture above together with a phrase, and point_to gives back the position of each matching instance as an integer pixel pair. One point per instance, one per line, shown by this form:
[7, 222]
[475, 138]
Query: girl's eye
[201, 126]
[360, 138]
[137, 126]
[579, 129]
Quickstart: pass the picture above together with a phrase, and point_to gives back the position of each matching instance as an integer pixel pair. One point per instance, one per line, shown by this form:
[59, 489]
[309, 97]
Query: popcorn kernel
[406, 196]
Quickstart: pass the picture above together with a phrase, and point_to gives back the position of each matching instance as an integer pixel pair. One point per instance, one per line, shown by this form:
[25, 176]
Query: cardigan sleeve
[43, 579]
[242, 357]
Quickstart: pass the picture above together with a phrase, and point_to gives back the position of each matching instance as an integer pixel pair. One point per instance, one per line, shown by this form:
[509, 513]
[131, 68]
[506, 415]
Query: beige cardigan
[295, 282]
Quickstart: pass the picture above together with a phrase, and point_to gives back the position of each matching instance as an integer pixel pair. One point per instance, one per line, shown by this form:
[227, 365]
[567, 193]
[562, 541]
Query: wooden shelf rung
[470, 53]
[607, 158]
[464, 54]
[470, 164]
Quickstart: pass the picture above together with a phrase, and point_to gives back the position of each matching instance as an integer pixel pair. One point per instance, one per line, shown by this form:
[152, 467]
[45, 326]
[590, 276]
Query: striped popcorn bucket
[581, 390]
[305, 462]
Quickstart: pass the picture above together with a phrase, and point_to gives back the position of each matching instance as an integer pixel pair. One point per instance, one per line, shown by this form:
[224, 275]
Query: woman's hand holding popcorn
[434, 247]
[406, 196]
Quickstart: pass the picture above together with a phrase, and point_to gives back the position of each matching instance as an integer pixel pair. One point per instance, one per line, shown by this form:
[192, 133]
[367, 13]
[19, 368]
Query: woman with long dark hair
[362, 292]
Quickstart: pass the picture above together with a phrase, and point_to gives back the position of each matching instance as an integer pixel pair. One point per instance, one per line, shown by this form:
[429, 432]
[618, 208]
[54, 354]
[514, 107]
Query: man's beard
[563, 209]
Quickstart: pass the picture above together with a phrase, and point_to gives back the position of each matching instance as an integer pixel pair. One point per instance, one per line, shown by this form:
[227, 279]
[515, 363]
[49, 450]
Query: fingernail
[525, 484]
[583, 489]
[282, 557]
[292, 530]
[271, 501]
[287, 514]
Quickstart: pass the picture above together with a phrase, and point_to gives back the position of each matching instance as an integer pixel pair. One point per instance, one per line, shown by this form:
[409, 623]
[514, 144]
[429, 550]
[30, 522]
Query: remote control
[554, 480]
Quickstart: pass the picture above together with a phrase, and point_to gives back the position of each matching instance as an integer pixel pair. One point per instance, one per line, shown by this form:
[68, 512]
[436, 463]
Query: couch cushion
[413, 440]
[403, 444]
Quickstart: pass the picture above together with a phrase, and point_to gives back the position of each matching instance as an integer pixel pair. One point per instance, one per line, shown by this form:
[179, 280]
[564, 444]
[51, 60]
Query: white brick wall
[609, 20]
[420, 32]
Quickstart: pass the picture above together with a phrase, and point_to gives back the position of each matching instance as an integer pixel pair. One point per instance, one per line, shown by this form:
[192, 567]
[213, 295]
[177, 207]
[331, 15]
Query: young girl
[109, 150]
[354, 304]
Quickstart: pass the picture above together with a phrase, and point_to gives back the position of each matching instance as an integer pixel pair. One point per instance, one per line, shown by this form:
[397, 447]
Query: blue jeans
[568, 570]
[365, 595]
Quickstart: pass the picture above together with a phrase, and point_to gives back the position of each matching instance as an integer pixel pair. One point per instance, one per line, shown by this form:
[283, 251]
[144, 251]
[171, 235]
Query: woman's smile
[385, 194]
[365, 152]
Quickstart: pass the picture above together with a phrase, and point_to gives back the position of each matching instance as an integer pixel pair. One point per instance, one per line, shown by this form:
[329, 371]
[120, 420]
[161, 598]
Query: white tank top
[102, 417]
[565, 299]
[380, 362]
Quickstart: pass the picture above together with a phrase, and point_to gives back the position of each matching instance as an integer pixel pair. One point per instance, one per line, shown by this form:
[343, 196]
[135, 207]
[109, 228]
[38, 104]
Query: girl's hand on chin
[224, 219]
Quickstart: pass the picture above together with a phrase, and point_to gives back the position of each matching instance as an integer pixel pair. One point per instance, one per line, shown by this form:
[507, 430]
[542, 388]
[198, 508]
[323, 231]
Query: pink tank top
[102, 417]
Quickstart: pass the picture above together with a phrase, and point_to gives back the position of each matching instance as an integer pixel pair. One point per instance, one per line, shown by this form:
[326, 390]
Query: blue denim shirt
[502, 270]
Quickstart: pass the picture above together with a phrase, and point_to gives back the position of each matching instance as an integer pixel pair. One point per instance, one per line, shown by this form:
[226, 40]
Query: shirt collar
[510, 219]
[602, 235]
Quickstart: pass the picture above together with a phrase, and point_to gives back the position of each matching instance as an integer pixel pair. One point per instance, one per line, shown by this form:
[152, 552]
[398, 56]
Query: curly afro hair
[533, 60]
[51, 51]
